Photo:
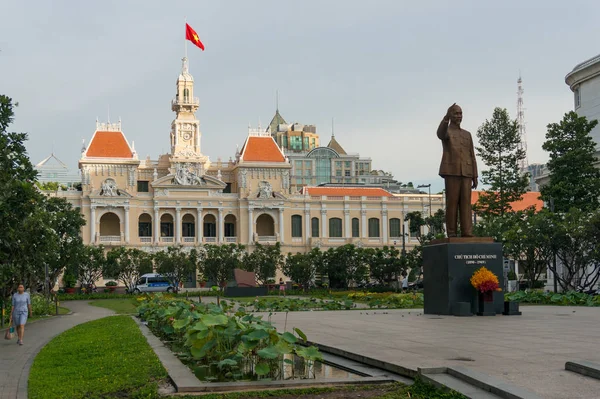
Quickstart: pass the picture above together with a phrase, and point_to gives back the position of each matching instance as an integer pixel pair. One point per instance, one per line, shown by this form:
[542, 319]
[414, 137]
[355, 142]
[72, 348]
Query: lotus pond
[220, 344]
[353, 301]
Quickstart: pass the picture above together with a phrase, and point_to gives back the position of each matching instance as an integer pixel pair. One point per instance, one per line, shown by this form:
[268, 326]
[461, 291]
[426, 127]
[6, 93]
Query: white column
[177, 225]
[307, 226]
[347, 225]
[281, 229]
[199, 225]
[93, 224]
[156, 222]
[220, 227]
[384, 228]
[126, 224]
[324, 223]
[363, 222]
[250, 225]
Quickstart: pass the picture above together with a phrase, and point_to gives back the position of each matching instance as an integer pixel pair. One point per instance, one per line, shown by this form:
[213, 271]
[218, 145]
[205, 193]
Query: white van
[153, 282]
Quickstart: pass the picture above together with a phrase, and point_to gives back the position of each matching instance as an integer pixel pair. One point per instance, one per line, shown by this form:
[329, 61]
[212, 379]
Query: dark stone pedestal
[511, 309]
[448, 265]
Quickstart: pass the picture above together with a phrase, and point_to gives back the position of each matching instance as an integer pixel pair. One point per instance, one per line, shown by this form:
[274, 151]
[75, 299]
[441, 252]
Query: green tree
[575, 237]
[529, 241]
[220, 261]
[500, 150]
[65, 223]
[92, 262]
[385, 264]
[574, 180]
[19, 205]
[127, 265]
[264, 261]
[176, 264]
[300, 268]
[345, 265]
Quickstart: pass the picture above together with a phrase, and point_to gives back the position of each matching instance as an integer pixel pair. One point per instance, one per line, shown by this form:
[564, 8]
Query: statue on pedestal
[459, 170]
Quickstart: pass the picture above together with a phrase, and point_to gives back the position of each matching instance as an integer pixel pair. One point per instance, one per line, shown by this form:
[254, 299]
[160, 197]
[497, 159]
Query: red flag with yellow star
[192, 36]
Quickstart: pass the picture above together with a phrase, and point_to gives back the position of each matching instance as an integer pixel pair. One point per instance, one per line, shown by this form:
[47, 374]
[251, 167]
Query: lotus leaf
[257, 335]
[269, 352]
[289, 337]
[300, 334]
[215, 320]
[310, 353]
[262, 369]
[227, 362]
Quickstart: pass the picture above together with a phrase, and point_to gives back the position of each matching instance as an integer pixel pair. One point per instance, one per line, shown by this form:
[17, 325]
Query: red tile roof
[261, 149]
[530, 198]
[349, 191]
[109, 145]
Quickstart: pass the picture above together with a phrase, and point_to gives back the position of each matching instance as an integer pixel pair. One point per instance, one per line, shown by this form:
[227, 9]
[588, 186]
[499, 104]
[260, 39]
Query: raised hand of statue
[474, 183]
[447, 117]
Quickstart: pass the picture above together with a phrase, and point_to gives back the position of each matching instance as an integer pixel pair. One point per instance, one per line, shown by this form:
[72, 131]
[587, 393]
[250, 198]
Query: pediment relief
[190, 182]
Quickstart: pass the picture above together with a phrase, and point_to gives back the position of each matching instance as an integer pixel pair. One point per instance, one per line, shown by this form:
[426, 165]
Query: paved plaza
[527, 351]
[16, 361]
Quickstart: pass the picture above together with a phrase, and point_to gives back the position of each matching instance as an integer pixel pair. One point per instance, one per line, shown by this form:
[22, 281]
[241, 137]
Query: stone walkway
[15, 360]
[527, 351]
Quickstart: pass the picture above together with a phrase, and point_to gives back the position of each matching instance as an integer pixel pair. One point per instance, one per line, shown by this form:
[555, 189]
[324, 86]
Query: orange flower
[484, 280]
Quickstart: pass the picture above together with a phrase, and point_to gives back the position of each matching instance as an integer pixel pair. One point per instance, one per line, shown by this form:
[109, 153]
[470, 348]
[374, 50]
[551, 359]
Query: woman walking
[21, 306]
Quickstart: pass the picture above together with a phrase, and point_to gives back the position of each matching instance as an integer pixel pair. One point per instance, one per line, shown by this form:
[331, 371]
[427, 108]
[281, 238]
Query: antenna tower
[521, 123]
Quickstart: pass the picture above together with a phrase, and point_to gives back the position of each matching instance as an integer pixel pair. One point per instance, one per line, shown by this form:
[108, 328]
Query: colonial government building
[182, 198]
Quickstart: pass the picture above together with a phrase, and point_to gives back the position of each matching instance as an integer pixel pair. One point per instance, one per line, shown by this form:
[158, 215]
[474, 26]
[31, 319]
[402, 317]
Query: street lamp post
[429, 189]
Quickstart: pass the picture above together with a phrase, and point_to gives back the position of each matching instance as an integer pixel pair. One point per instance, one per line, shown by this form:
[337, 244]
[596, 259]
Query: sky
[385, 71]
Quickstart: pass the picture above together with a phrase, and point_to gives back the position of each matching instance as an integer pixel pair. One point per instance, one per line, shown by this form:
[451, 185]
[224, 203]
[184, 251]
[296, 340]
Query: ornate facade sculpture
[109, 188]
[265, 190]
[185, 176]
[243, 178]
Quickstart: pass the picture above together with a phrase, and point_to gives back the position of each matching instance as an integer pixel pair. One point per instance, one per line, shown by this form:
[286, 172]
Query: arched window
[335, 227]
[355, 227]
[296, 226]
[186, 94]
[145, 225]
[374, 228]
[395, 228]
[314, 227]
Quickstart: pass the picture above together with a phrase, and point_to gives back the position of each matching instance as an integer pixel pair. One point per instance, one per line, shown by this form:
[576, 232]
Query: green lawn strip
[120, 306]
[419, 390]
[100, 358]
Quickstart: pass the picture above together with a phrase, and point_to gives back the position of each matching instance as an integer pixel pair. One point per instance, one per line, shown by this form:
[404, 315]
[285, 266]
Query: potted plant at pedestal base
[69, 281]
[111, 285]
[486, 283]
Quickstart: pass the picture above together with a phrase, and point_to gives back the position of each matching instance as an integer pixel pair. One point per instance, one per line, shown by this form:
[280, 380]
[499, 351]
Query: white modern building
[584, 81]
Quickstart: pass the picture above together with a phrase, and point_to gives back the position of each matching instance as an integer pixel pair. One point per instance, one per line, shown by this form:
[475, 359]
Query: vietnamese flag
[192, 36]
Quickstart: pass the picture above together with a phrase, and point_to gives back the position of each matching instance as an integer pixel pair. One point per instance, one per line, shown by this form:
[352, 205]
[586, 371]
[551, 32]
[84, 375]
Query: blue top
[20, 302]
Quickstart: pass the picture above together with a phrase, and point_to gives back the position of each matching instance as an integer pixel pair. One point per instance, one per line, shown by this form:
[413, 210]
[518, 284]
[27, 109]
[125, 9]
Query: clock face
[186, 136]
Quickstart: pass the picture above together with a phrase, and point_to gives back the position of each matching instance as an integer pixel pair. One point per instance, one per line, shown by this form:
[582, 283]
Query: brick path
[15, 360]
[527, 351]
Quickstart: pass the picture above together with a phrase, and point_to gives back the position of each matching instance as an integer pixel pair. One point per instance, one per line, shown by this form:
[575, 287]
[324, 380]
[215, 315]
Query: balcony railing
[189, 239]
[231, 239]
[110, 238]
[267, 238]
[145, 239]
[210, 239]
[166, 239]
[185, 101]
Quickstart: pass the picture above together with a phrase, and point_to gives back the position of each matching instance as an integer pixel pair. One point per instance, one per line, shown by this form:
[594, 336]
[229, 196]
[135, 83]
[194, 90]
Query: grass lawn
[103, 358]
[418, 390]
[120, 306]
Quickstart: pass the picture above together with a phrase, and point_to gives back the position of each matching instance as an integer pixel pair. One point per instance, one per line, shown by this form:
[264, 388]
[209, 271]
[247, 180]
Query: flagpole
[185, 40]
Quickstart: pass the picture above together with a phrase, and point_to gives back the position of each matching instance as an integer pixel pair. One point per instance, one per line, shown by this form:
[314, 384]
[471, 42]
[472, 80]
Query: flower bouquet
[485, 282]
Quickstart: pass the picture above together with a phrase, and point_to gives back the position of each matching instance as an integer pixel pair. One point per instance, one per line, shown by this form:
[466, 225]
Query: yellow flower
[484, 277]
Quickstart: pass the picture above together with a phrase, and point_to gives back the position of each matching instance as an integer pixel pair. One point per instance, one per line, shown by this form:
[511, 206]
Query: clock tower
[185, 129]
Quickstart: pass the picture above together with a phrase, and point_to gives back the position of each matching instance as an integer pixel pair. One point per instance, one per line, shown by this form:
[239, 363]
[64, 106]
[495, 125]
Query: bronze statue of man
[459, 170]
